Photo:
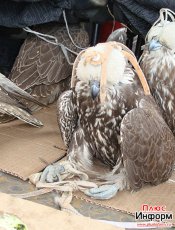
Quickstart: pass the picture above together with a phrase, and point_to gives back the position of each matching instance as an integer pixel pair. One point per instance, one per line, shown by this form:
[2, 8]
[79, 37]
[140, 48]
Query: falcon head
[164, 36]
[99, 60]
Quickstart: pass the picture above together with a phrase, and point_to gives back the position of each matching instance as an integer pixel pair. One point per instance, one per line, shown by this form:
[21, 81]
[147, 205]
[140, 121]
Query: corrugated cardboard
[25, 149]
[37, 216]
[163, 194]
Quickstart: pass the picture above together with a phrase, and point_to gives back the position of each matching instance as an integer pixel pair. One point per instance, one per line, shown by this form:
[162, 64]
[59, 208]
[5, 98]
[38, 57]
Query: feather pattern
[11, 106]
[154, 163]
[158, 63]
[125, 133]
[159, 69]
[67, 116]
[41, 68]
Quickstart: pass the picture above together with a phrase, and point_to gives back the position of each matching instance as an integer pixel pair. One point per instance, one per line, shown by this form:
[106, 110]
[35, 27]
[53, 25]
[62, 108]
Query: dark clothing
[139, 15]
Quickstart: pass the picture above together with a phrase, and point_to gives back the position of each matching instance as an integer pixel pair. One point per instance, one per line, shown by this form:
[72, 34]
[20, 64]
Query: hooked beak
[95, 88]
[154, 45]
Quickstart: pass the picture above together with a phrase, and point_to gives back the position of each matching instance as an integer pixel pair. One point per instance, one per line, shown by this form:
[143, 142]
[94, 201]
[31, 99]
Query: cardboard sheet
[163, 195]
[25, 149]
[38, 217]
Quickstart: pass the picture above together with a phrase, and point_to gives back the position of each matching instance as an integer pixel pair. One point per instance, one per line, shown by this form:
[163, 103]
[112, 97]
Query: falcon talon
[53, 173]
[103, 192]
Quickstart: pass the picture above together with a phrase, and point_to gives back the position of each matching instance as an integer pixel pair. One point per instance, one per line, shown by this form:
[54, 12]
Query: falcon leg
[80, 154]
[108, 191]
[79, 159]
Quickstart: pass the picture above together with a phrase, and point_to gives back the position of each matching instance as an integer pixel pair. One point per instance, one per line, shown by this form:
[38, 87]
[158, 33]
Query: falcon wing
[41, 68]
[9, 112]
[67, 116]
[147, 146]
[10, 103]
[15, 92]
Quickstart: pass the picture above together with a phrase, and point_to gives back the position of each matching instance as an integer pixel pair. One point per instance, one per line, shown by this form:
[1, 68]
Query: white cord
[67, 27]
[53, 40]
[113, 17]
[165, 15]
[48, 38]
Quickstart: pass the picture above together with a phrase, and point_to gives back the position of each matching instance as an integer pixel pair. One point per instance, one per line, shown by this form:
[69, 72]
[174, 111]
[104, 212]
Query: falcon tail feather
[20, 114]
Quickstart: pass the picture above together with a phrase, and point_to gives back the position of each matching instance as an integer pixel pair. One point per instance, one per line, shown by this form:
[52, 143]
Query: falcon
[110, 117]
[41, 68]
[11, 106]
[158, 64]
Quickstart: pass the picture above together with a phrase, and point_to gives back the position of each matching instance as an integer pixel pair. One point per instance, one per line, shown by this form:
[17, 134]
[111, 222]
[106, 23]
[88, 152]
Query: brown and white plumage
[143, 131]
[126, 132]
[41, 68]
[11, 106]
[69, 124]
[158, 64]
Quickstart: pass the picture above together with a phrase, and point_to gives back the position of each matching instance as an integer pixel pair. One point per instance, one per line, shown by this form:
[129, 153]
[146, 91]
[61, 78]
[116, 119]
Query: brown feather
[159, 69]
[41, 65]
[125, 133]
[148, 146]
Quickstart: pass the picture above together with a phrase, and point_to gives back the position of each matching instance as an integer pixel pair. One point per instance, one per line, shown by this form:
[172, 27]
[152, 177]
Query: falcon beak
[154, 45]
[95, 88]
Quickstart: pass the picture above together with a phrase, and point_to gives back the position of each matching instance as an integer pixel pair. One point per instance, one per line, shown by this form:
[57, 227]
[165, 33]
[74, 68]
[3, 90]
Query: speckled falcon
[158, 64]
[109, 116]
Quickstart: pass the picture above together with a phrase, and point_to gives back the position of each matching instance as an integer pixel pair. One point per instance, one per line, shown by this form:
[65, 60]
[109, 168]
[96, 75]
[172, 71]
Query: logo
[156, 216]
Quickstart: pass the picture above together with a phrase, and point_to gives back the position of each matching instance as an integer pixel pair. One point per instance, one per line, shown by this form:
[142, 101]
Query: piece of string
[63, 201]
[68, 32]
[53, 40]
[114, 20]
[165, 16]
[126, 52]
[64, 190]
[48, 38]
[113, 17]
